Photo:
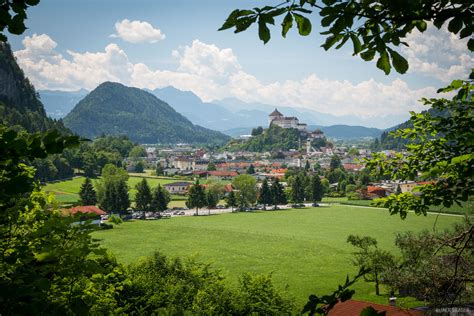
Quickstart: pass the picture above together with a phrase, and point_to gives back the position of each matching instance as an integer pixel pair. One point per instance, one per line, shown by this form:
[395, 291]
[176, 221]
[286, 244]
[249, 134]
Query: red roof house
[353, 308]
[86, 209]
[375, 192]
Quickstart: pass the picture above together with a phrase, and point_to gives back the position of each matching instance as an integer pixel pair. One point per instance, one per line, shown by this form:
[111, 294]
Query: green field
[305, 249]
[67, 191]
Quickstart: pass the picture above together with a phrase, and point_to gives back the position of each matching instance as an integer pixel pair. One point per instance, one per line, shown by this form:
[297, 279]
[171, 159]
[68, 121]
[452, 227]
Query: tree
[211, 200]
[265, 196]
[247, 186]
[139, 167]
[335, 163]
[159, 169]
[297, 189]
[196, 197]
[317, 189]
[257, 131]
[211, 166]
[307, 166]
[137, 152]
[277, 193]
[251, 169]
[372, 27]
[160, 199]
[143, 197]
[231, 200]
[112, 189]
[87, 193]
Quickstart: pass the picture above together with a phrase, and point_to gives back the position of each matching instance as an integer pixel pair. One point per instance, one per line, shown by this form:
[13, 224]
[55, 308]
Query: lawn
[305, 249]
[67, 191]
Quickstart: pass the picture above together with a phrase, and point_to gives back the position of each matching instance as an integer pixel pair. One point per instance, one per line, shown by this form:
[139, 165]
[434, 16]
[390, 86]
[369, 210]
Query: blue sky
[157, 43]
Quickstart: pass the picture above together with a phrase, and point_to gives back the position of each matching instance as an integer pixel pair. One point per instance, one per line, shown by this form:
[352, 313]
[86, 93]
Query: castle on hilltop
[276, 118]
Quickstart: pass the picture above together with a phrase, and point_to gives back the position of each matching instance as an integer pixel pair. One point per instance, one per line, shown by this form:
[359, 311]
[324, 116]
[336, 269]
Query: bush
[115, 219]
[106, 226]
[160, 285]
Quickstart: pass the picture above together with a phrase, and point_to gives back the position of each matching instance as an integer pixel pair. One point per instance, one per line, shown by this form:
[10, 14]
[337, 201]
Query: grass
[305, 249]
[465, 208]
[67, 192]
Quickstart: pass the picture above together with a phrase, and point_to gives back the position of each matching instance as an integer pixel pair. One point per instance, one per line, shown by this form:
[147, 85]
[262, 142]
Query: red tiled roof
[87, 209]
[275, 113]
[353, 166]
[283, 170]
[228, 188]
[353, 307]
[371, 189]
[223, 173]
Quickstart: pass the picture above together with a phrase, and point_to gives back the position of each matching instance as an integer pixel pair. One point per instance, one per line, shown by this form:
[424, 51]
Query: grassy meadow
[304, 249]
[67, 192]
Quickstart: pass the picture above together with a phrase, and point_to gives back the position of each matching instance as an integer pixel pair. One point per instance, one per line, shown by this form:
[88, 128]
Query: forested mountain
[59, 103]
[387, 141]
[115, 109]
[19, 103]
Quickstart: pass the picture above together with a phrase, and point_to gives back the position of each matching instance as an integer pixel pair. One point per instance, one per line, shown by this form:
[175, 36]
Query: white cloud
[137, 32]
[213, 73]
[438, 53]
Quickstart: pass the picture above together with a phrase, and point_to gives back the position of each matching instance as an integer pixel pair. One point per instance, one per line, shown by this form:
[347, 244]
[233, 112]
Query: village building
[276, 118]
[177, 187]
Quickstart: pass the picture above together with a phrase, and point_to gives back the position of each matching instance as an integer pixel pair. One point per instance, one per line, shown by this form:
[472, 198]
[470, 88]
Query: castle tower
[274, 115]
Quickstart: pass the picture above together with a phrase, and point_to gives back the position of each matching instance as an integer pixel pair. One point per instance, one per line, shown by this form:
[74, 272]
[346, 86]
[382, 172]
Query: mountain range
[114, 109]
[234, 117]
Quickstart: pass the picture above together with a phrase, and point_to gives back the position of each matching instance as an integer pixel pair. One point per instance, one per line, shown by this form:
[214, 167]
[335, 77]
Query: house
[170, 171]
[374, 192]
[86, 209]
[353, 307]
[224, 175]
[177, 187]
[276, 118]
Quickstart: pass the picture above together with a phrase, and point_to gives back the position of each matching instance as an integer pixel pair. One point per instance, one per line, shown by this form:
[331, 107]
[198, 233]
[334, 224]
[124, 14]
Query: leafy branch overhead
[13, 16]
[375, 27]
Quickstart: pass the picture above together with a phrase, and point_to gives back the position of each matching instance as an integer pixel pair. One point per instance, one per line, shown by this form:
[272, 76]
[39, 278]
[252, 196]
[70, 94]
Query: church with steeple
[276, 118]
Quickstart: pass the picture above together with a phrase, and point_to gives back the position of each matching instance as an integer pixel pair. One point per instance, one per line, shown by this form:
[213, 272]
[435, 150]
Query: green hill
[115, 109]
[19, 103]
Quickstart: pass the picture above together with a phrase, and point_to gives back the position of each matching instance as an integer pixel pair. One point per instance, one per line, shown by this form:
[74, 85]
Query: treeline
[88, 158]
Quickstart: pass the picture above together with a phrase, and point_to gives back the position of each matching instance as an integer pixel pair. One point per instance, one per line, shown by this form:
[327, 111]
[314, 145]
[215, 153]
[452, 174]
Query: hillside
[115, 109]
[19, 103]
[274, 138]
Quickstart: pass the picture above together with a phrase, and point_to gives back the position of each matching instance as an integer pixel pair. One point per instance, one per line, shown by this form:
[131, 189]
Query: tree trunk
[377, 291]
[197, 213]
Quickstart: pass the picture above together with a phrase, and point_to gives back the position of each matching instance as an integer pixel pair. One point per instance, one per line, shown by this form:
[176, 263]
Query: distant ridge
[114, 109]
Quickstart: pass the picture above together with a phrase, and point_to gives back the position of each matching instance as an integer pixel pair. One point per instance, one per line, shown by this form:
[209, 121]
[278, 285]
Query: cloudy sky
[157, 43]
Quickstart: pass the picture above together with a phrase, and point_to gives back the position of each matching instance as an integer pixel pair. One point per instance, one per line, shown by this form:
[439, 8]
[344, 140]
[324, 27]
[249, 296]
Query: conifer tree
[87, 193]
[212, 199]
[317, 189]
[143, 196]
[265, 196]
[160, 199]
[231, 200]
[277, 193]
[159, 169]
[297, 189]
[251, 169]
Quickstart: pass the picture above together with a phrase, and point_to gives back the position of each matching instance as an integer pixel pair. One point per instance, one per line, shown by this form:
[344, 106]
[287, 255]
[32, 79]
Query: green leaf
[399, 62]
[17, 25]
[263, 32]
[286, 24]
[303, 23]
[356, 43]
[470, 44]
[330, 41]
[421, 26]
[368, 55]
[455, 25]
[383, 62]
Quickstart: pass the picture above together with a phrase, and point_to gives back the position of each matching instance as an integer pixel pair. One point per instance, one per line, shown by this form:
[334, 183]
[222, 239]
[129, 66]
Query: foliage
[435, 267]
[137, 152]
[13, 16]
[440, 152]
[143, 197]
[372, 27]
[274, 138]
[317, 189]
[112, 189]
[231, 200]
[251, 169]
[277, 193]
[247, 187]
[196, 197]
[335, 163]
[297, 184]
[369, 256]
[139, 167]
[115, 219]
[161, 285]
[257, 131]
[265, 194]
[159, 169]
[49, 265]
[211, 199]
[211, 166]
[160, 199]
[87, 193]
[119, 110]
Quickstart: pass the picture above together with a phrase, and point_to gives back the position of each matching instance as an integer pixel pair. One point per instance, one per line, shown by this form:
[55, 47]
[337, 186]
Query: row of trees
[113, 193]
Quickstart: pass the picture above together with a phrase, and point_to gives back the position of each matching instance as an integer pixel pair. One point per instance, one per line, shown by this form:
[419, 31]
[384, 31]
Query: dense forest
[115, 109]
[19, 105]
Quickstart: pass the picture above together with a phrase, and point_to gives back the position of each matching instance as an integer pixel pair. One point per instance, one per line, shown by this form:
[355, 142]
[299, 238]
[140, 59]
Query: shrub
[115, 219]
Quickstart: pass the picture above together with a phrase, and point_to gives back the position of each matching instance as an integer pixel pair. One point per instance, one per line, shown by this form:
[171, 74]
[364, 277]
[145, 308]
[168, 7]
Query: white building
[278, 119]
